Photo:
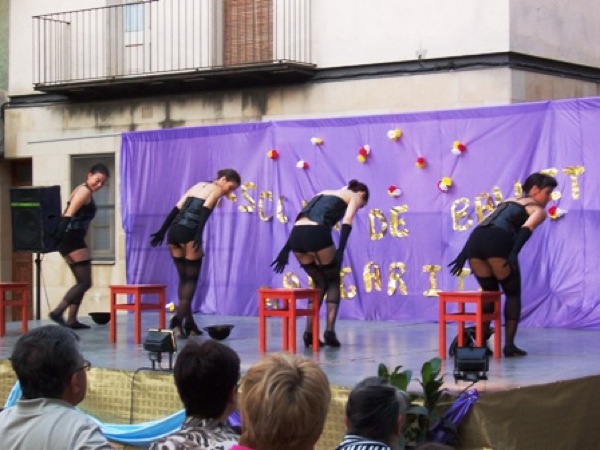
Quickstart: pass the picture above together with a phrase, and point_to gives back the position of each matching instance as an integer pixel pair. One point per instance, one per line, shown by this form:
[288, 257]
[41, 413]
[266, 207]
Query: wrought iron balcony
[165, 46]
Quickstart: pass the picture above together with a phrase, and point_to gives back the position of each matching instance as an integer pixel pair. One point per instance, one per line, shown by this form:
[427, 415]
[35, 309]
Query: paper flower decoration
[555, 212]
[394, 191]
[363, 153]
[302, 164]
[395, 134]
[458, 148]
[316, 140]
[272, 154]
[421, 162]
[444, 184]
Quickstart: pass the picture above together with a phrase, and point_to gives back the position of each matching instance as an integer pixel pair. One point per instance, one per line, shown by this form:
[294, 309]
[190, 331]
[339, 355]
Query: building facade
[79, 73]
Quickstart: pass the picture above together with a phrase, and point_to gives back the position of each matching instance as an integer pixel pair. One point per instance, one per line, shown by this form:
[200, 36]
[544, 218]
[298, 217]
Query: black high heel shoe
[512, 350]
[331, 339]
[191, 329]
[307, 337]
[175, 325]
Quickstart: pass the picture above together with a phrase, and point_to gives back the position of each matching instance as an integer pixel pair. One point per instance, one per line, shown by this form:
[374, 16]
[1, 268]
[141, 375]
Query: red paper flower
[273, 154]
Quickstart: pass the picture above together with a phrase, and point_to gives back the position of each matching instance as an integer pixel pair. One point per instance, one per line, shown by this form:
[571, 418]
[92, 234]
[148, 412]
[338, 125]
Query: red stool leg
[286, 323]
[137, 321]
[479, 321]
[442, 326]
[113, 317]
[162, 315]
[24, 301]
[292, 323]
[262, 323]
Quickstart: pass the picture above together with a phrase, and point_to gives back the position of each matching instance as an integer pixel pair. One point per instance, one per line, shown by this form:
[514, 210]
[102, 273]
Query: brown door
[22, 266]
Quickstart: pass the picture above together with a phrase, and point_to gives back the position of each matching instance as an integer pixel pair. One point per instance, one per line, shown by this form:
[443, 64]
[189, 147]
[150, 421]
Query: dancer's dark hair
[357, 186]
[540, 180]
[230, 175]
[100, 168]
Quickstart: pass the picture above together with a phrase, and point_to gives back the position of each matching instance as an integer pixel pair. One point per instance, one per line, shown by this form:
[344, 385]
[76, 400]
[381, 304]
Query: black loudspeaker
[35, 213]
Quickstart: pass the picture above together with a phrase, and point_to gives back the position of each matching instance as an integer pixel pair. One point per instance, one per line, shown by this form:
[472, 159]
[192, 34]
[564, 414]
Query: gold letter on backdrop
[372, 276]
[397, 221]
[291, 281]
[268, 195]
[251, 203]
[574, 172]
[461, 219]
[433, 288]
[377, 214]
[280, 214]
[350, 292]
[395, 281]
[483, 202]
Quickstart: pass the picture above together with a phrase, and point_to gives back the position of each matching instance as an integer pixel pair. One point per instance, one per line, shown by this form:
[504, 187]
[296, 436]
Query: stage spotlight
[471, 363]
[157, 342]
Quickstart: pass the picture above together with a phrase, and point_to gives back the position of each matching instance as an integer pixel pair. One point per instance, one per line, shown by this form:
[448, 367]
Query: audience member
[284, 404]
[374, 416]
[206, 376]
[53, 378]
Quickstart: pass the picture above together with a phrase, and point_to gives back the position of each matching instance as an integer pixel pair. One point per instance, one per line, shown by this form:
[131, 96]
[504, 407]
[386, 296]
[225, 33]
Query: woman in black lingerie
[185, 224]
[311, 242]
[70, 235]
[493, 247]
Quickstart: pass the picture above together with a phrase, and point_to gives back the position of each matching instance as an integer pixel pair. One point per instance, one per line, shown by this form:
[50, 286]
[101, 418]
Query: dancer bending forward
[493, 247]
[185, 224]
[311, 242]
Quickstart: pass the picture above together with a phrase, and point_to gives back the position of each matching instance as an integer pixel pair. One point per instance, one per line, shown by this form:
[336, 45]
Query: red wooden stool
[479, 299]
[289, 312]
[16, 288]
[137, 290]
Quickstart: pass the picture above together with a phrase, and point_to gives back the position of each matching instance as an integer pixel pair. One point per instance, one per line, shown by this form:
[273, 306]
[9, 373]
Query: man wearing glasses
[53, 379]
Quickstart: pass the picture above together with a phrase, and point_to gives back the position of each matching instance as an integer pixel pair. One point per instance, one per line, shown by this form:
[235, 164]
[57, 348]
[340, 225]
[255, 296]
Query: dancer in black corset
[311, 242]
[70, 235]
[185, 225]
[494, 245]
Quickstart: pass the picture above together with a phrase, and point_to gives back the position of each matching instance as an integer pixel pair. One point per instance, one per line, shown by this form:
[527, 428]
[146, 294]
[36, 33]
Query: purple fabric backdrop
[504, 145]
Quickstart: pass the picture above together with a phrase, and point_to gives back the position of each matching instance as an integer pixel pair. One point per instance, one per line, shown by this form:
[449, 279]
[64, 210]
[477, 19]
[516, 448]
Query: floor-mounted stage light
[157, 342]
[471, 363]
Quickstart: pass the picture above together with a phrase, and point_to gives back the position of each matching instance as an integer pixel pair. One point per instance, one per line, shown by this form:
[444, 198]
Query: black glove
[523, 236]
[281, 261]
[204, 215]
[456, 266]
[159, 236]
[59, 233]
[339, 253]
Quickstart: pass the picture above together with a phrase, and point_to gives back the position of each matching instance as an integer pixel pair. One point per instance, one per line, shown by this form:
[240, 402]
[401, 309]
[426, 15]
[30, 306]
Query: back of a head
[373, 409]
[230, 175]
[284, 403]
[205, 375]
[358, 186]
[540, 180]
[44, 359]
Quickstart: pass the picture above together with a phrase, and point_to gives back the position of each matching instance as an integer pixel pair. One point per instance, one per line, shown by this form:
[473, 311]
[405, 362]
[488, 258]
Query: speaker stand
[38, 276]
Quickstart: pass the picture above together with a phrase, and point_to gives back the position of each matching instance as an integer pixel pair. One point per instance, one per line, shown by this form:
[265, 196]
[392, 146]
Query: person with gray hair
[374, 416]
[53, 378]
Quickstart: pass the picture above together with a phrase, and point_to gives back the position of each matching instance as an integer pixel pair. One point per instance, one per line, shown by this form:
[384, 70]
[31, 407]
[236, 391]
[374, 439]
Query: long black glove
[159, 236]
[204, 215]
[339, 254]
[59, 233]
[523, 236]
[281, 261]
[456, 265]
